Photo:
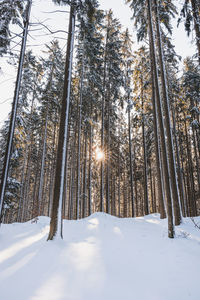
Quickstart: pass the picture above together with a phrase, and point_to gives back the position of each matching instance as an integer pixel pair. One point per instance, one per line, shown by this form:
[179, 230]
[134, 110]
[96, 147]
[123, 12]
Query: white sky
[59, 21]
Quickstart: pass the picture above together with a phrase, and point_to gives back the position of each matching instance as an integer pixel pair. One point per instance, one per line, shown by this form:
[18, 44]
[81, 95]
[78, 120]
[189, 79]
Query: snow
[101, 257]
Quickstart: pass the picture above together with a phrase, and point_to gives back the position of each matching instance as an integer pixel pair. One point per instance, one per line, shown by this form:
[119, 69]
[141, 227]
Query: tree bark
[172, 167]
[161, 125]
[56, 217]
[157, 149]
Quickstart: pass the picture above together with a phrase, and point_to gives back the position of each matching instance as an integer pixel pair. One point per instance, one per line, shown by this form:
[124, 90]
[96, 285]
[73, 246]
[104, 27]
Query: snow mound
[101, 257]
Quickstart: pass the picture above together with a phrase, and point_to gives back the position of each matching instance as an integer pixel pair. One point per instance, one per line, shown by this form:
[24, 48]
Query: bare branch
[36, 45]
[45, 26]
[55, 11]
[38, 21]
[37, 29]
[31, 36]
[16, 34]
[53, 32]
[16, 44]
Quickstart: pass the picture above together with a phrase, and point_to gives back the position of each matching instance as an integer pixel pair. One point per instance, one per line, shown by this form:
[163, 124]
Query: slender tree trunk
[112, 202]
[56, 217]
[157, 149]
[53, 165]
[191, 186]
[130, 157]
[108, 175]
[85, 177]
[154, 189]
[146, 198]
[39, 198]
[180, 176]
[172, 167]
[19, 214]
[125, 196]
[73, 202]
[79, 140]
[14, 108]
[152, 192]
[102, 126]
[90, 169]
[196, 158]
[136, 191]
[119, 182]
[161, 125]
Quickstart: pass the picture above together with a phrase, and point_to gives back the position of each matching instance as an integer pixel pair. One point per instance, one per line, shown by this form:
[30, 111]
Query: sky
[41, 11]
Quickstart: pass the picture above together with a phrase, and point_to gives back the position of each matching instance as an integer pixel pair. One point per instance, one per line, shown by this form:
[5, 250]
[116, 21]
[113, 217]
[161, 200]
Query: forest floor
[100, 258]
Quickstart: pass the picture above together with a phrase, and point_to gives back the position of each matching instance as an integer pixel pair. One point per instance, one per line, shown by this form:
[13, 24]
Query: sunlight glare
[99, 154]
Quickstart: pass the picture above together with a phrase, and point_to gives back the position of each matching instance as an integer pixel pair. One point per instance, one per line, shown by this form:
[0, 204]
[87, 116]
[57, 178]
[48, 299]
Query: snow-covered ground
[100, 258]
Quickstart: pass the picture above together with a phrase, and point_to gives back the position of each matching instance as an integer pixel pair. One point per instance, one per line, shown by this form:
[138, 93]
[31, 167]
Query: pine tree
[14, 108]
[11, 12]
[56, 218]
[191, 13]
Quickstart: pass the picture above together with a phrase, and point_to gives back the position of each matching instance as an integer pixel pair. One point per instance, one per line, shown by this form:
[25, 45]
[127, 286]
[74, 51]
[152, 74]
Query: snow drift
[102, 258]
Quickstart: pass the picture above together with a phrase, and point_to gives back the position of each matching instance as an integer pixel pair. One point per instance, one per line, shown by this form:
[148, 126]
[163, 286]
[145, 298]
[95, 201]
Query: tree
[14, 108]
[127, 63]
[166, 109]
[111, 82]
[11, 12]
[161, 126]
[56, 222]
[56, 217]
[191, 13]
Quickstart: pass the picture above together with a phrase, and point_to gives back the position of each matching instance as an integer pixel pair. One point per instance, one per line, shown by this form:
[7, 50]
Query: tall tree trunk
[103, 125]
[151, 204]
[157, 149]
[130, 157]
[108, 156]
[19, 213]
[191, 186]
[161, 125]
[180, 176]
[56, 217]
[146, 198]
[73, 202]
[79, 140]
[14, 108]
[172, 167]
[53, 165]
[119, 182]
[196, 157]
[85, 177]
[154, 189]
[39, 198]
[125, 195]
[136, 190]
[90, 169]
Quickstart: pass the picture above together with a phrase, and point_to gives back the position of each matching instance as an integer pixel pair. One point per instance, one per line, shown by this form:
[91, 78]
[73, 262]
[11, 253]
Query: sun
[99, 154]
